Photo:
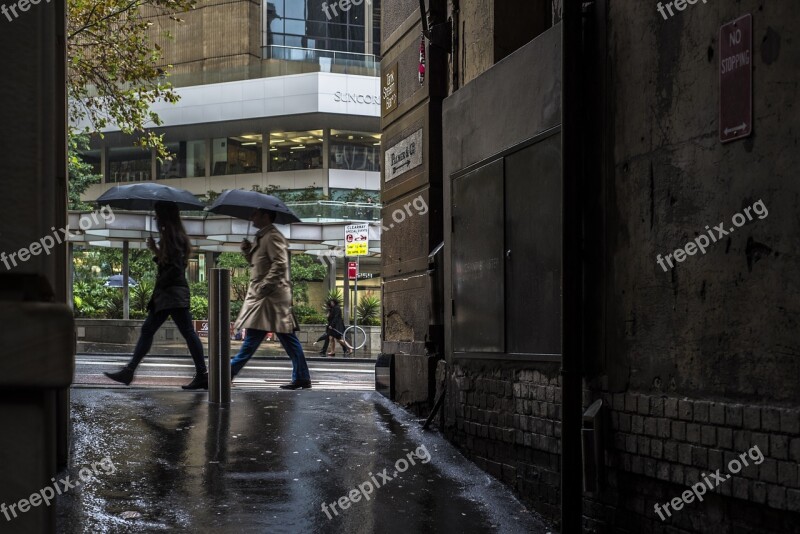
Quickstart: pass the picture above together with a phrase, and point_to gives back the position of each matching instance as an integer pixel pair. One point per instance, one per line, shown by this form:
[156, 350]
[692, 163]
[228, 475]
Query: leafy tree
[240, 273]
[113, 66]
[80, 172]
[305, 269]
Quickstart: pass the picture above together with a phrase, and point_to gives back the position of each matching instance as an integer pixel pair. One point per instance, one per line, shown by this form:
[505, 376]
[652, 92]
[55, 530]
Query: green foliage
[356, 195]
[140, 296]
[199, 288]
[308, 315]
[113, 66]
[91, 299]
[240, 273]
[236, 307]
[334, 294]
[209, 197]
[307, 269]
[369, 311]
[98, 262]
[199, 307]
[80, 173]
[308, 194]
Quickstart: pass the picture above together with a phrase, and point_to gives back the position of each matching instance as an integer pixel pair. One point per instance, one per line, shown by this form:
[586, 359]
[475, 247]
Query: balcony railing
[318, 60]
[329, 211]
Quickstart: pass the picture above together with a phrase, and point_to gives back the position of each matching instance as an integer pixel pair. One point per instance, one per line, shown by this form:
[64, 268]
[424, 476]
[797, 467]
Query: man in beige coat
[268, 304]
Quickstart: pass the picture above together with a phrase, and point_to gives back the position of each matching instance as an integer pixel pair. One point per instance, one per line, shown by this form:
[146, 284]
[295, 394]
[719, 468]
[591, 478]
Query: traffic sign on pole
[356, 239]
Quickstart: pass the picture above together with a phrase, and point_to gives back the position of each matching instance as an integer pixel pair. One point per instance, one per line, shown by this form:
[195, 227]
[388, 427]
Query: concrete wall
[504, 415]
[696, 365]
[406, 313]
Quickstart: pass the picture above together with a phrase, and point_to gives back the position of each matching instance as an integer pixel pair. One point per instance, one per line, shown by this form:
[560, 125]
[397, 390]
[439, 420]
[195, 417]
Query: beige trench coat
[268, 304]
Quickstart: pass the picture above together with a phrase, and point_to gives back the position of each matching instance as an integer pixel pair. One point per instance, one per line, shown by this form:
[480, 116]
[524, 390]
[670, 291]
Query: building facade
[694, 360]
[273, 94]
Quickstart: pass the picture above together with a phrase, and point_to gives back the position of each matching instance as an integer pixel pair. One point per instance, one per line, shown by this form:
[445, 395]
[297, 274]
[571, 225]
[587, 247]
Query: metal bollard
[219, 337]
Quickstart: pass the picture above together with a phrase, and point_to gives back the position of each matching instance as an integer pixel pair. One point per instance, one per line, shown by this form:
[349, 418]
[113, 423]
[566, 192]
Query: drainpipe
[572, 281]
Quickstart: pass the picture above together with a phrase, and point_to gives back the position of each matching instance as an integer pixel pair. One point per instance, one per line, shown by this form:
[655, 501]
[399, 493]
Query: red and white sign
[352, 270]
[201, 327]
[736, 79]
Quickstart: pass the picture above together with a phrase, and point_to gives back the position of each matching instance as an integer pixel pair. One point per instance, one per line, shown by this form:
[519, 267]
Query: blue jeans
[290, 344]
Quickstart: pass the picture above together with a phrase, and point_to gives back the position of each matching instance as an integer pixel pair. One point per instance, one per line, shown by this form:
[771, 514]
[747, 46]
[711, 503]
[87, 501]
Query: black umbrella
[145, 195]
[241, 204]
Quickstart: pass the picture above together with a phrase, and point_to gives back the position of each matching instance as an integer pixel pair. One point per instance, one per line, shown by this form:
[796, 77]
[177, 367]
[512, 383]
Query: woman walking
[336, 328]
[170, 297]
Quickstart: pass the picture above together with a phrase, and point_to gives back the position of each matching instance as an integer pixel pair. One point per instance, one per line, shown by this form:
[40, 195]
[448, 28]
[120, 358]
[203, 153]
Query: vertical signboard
[356, 239]
[736, 79]
[352, 270]
[389, 90]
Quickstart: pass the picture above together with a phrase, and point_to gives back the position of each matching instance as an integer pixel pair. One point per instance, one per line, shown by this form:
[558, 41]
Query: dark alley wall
[696, 364]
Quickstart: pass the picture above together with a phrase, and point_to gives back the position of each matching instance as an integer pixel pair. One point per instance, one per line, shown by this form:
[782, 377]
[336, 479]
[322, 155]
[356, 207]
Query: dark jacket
[335, 321]
[171, 289]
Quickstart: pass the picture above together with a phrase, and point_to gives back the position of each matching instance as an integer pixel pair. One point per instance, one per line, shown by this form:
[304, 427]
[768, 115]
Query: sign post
[356, 243]
[736, 79]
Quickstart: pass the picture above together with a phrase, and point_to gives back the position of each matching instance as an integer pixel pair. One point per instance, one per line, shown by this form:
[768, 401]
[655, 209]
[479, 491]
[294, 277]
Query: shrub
[308, 315]
[369, 311]
[199, 307]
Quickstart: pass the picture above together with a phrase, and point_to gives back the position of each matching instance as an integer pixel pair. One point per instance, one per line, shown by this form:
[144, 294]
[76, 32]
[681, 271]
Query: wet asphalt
[175, 463]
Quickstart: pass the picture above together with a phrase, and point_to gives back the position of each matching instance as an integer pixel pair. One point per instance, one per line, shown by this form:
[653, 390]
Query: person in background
[268, 304]
[336, 328]
[170, 297]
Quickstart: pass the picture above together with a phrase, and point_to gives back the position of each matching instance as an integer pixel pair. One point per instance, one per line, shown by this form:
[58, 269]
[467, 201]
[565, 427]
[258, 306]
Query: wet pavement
[267, 464]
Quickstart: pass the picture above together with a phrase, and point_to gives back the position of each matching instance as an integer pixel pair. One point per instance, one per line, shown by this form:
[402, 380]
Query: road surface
[260, 373]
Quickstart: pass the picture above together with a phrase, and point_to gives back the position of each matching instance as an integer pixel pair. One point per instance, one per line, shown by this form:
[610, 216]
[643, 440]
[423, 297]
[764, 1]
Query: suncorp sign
[339, 96]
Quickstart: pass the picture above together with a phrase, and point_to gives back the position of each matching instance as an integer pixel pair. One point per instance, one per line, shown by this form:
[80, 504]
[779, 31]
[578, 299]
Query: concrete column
[34, 412]
[104, 163]
[70, 273]
[126, 301]
[332, 274]
[209, 147]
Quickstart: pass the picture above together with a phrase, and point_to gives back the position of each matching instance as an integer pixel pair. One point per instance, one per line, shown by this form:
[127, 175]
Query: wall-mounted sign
[339, 96]
[736, 79]
[389, 90]
[356, 239]
[366, 276]
[404, 156]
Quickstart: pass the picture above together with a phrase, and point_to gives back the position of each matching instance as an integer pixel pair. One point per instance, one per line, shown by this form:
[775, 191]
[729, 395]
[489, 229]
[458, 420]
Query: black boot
[200, 381]
[123, 376]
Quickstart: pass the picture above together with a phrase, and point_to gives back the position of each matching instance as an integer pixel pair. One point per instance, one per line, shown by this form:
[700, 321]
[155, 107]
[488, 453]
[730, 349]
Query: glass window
[129, 164]
[236, 155]
[310, 25]
[295, 151]
[187, 160]
[356, 151]
[296, 9]
[296, 27]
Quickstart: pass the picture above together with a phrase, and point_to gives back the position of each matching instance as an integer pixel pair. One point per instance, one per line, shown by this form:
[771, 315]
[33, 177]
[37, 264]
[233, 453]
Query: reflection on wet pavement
[268, 464]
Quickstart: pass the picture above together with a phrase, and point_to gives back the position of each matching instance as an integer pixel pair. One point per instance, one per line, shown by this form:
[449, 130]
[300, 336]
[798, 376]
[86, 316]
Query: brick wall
[507, 421]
